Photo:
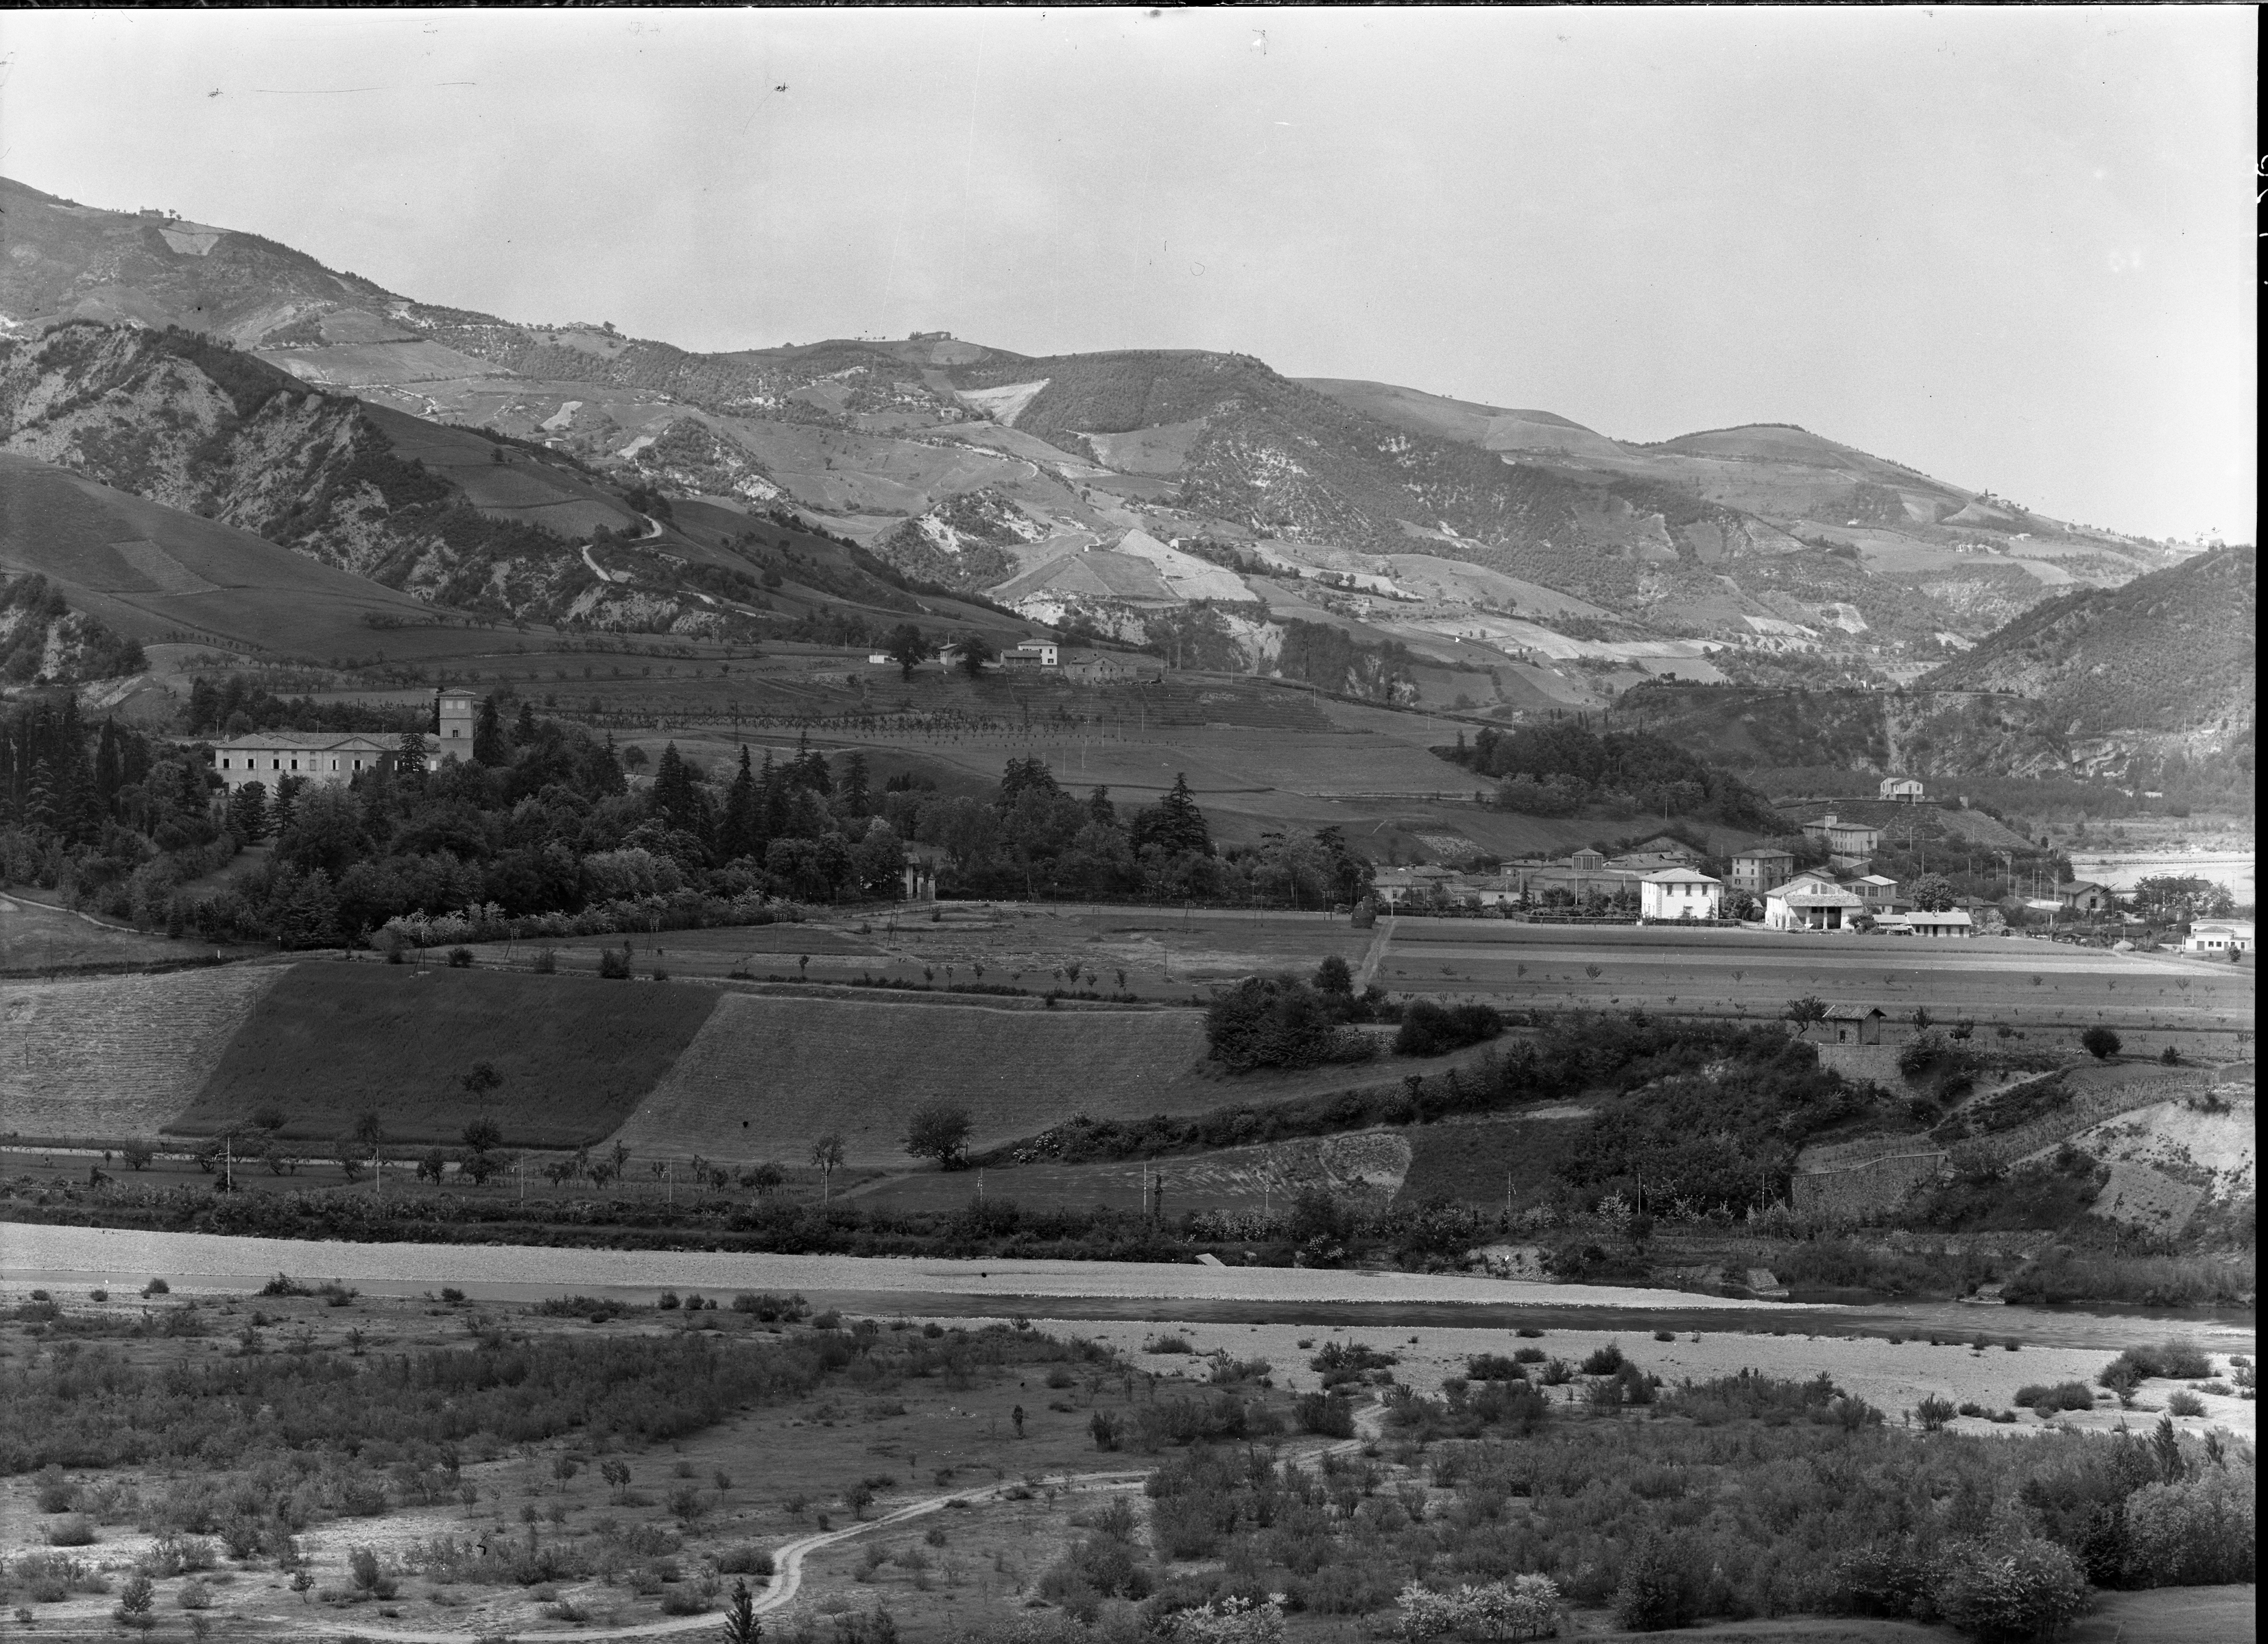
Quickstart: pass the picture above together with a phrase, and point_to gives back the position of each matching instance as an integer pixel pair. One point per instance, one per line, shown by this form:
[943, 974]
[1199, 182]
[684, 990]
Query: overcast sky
[2012, 246]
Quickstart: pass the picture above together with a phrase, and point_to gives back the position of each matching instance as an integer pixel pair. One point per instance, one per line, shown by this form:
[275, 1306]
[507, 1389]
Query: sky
[2012, 246]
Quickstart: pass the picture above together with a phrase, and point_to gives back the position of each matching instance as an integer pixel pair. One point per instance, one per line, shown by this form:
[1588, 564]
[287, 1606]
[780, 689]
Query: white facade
[269, 757]
[455, 741]
[1811, 902]
[1947, 922]
[1679, 893]
[2219, 936]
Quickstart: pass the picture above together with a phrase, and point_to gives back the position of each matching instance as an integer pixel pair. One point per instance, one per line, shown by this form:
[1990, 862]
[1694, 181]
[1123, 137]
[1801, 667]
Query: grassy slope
[1474, 1161]
[331, 1041]
[116, 1057]
[769, 1074]
[199, 576]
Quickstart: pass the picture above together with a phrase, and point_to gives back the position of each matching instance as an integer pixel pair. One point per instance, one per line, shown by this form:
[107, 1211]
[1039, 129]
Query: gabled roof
[1681, 876]
[306, 741]
[1763, 854]
[1821, 899]
[1854, 1013]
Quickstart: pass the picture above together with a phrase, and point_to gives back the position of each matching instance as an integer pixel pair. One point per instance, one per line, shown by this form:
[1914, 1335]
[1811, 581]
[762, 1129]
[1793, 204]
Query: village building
[1756, 872]
[1586, 861]
[454, 712]
[1680, 893]
[2084, 896]
[1811, 902]
[1031, 654]
[1944, 922]
[2219, 936]
[1906, 789]
[1849, 844]
[269, 757]
[1108, 668]
[1878, 891]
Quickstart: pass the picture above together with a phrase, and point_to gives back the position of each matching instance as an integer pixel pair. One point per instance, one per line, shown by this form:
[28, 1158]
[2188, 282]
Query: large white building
[1811, 902]
[1679, 893]
[270, 756]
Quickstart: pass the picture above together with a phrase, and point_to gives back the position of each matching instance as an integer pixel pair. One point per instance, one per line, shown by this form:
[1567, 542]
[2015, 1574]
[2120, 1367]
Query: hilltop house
[1679, 893]
[1033, 653]
[1849, 844]
[1756, 872]
[1108, 668]
[270, 756]
[1811, 902]
[1904, 788]
[2084, 896]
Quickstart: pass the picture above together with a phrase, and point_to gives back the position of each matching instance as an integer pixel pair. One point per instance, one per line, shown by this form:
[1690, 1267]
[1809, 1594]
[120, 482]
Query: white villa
[2219, 936]
[269, 757]
[1679, 893]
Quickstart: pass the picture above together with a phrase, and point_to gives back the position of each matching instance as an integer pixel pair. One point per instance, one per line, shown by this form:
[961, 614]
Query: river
[192, 1264]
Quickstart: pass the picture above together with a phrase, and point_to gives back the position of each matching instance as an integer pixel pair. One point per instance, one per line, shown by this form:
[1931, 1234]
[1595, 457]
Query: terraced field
[119, 1056]
[330, 1042]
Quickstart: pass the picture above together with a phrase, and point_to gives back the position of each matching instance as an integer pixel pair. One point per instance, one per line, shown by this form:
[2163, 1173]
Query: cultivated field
[37, 937]
[331, 1041]
[766, 1076]
[118, 1057]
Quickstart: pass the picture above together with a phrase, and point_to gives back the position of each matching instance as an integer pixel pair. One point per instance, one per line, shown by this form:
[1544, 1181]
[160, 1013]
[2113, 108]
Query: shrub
[1431, 1028]
[2174, 1361]
[1493, 1367]
[1321, 1413]
[461, 959]
[2027, 1589]
[1168, 1344]
[745, 1560]
[546, 962]
[1603, 1360]
[2049, 1400]
[74, 1529]
[1661, 1586]
[614, 964]
[2100, 1043]
[1279, 1021]
[156, 1287]
[2197, 1532]
[1933, 1412]
[2184, 1402]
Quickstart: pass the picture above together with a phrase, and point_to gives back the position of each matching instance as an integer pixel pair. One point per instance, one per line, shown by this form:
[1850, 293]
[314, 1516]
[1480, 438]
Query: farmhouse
[1758, 871]
[270, 756]
[1811, 902]
[2219, 936]
[1949, 921]
[1878, 892]
[1108, 668]
[2084, 896]
[1032, 654]
[1422, 887]
[1904, 788]
[1679, 893]
[1849, 843]
[1854, 1024]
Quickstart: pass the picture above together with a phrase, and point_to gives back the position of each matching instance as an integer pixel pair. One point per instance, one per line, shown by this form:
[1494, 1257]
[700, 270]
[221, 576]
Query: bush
[1660, 1587]
[1603, 1360]
[461, 959]
[73, 1531]
[1933, 1412]
[1279, 1022]
[1431, 1028]
[2051, 1400]
[1321, 1413]
[546, 962]
[2174, 1361]
[2028, 1589]
[745, 1560]
[2184, 1402]
[2196, 1532]
[614, 964]
[2100, 1043]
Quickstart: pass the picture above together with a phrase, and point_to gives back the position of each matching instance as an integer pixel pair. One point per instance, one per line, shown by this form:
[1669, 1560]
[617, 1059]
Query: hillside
[154, 573]
[2171, 653]
[961, 466]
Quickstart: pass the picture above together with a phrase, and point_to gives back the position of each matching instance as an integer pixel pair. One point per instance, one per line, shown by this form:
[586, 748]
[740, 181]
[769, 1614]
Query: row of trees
[1557, 770]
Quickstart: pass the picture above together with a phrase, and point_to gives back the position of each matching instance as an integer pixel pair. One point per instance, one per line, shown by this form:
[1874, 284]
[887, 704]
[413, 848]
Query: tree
[975, 652]
[488, 734]
[740, 1624]
[247, 813]
[1174, 825]
[939, 1130]
[1932, 893]
[2100, 1043]
[1804, 1011]
[827, 1159]
[1333, 976]
[482, 1133]
[905, 647]
[369, 1128]
[482, 1079]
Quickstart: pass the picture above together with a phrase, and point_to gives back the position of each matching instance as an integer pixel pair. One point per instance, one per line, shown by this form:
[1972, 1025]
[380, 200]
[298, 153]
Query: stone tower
[456, 711]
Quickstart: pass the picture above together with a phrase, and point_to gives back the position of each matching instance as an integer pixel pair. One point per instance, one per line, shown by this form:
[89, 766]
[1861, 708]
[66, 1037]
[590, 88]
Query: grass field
[35, 937]
[1483, 1162]
[330, 1042]
[767, 1075]
[119, 1056]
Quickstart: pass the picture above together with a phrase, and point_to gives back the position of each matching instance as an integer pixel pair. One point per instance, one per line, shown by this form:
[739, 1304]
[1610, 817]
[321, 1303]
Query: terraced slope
[768, 1075]
[332, 1042]
[119, 1056]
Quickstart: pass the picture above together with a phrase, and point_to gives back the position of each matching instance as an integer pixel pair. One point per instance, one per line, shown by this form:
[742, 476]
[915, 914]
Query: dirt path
[1374, 956]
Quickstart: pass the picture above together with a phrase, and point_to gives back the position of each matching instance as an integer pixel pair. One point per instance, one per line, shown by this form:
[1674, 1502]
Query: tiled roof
[302, 742]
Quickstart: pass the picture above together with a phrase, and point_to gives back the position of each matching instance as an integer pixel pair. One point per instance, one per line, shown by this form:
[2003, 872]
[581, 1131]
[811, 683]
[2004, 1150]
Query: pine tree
[743, 815]
[488, 734]
[524, 729]
[108, 772]
[771, 809]
[247, 813]
[1175, 823]
[675, 801]
[850, 792]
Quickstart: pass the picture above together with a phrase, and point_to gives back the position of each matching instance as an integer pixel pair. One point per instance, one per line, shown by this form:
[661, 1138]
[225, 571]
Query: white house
[1849, 843]
[1905, 788]
[2219, 936]
[1033, 653]
[1679, 893]
[1947, 922]
[1811, 902]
